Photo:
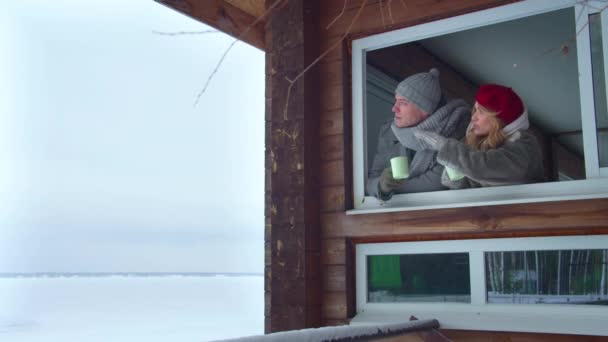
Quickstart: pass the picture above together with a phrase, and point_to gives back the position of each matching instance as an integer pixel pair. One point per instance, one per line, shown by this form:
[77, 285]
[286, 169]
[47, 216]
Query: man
[419, 105]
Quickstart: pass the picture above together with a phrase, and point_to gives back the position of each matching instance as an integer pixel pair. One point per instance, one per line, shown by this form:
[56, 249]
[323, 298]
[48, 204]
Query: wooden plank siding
[370, 20]
[338, 229]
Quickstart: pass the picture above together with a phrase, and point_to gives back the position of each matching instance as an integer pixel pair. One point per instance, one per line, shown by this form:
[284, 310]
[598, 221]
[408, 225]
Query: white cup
[453, 174]
[400, 167]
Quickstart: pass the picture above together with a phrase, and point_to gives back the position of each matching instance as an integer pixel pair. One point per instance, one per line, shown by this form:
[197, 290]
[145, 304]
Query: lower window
[539, 284]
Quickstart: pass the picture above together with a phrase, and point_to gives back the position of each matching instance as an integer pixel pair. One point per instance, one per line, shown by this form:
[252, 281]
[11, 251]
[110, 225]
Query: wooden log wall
[292, 231]
[339, 231]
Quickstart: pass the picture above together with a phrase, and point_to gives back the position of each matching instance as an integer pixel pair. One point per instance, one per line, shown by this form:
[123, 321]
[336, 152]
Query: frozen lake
[131, 308]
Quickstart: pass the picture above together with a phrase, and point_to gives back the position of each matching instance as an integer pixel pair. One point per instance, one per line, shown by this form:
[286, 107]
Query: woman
[498, 148]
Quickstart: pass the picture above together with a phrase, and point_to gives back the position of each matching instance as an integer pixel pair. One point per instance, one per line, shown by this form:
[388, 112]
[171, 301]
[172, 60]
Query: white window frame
[480, 315]
[594, 186]
[604, 15]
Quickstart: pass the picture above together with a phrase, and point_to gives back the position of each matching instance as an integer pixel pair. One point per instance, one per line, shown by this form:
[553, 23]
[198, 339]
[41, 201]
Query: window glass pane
[380, 98]
[419, 278]
[599, 87]
[547, 277]
[540, 67]
[567, 153]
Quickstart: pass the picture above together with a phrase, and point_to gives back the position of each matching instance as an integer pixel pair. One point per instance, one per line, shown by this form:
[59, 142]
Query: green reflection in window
[419, 277]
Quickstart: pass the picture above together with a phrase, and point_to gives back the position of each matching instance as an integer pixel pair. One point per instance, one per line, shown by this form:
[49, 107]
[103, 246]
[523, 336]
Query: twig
[390, 11]
[564, 45]
[339, 15]
[245, 31]
[404, 5]
[181, 33]
[292, 82]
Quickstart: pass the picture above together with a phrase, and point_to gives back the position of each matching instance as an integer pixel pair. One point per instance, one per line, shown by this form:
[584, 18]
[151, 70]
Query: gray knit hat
[422, 89]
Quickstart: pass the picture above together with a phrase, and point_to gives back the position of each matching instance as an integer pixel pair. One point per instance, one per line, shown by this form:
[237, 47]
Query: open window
[554, 54]
[538, 284]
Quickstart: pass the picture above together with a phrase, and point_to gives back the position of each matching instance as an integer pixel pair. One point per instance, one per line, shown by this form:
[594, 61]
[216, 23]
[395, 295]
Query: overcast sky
[105, 164]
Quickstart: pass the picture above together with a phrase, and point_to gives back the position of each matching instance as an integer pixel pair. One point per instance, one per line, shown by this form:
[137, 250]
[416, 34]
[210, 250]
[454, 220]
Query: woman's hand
[431, 140]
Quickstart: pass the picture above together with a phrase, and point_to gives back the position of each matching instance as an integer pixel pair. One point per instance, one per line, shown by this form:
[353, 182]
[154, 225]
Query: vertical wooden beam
[293, 270]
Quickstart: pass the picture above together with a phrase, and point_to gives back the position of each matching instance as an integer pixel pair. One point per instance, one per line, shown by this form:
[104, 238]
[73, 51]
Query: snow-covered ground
[120, 308]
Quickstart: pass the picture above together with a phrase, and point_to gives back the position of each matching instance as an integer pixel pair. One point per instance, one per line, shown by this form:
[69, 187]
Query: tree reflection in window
[554, 277]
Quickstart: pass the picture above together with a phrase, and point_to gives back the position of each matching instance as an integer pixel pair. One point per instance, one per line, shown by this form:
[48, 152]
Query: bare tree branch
[339, 15]
[390, 11]
[245, 31]
[404, 5]
[336, 44]
[181, 33]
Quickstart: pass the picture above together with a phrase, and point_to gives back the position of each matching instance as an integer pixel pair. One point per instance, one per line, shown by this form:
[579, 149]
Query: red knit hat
[501, 100]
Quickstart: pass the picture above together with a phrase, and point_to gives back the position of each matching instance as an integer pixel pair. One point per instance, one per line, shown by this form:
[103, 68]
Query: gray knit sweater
[449, 120]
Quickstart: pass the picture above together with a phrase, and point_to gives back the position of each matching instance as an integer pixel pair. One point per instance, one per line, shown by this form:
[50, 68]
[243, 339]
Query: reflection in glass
[552, 277]
[599, 87]
[419, 278]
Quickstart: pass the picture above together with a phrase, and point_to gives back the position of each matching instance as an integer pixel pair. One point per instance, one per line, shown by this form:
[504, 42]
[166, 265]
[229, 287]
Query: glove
[387, 183]
[431, 140]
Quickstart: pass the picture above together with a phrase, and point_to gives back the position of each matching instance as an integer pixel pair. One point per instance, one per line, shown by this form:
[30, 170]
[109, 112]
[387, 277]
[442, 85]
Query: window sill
[555, 319]
[514, 194]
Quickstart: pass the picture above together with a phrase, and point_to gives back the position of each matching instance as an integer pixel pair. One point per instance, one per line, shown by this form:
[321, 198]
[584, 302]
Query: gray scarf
[450, 121]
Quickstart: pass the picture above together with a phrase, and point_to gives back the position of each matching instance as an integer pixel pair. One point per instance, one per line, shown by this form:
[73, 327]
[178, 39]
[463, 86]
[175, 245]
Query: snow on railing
[343, 333]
